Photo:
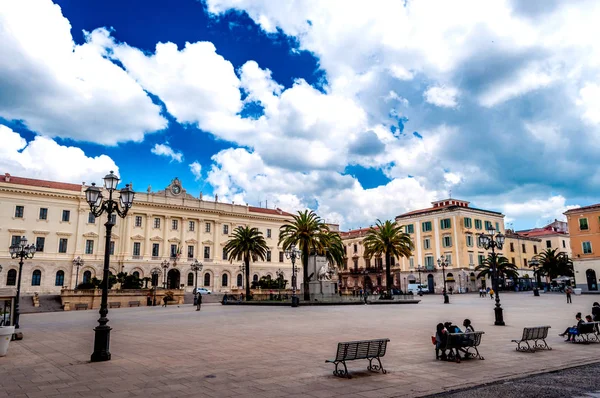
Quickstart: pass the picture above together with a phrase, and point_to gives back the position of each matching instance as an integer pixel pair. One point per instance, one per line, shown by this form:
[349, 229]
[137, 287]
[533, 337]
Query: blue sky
[357, 111]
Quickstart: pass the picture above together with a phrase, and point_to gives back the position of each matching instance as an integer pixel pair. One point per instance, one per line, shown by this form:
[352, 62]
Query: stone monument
[322, 280]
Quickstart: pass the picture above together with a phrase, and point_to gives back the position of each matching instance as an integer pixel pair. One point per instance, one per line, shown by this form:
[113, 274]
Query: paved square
[248, 351]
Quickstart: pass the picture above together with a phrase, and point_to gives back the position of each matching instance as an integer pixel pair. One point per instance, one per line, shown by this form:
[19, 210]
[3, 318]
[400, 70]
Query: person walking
[492, 294]
[365, 296]
[199, 302]
[569, 291]
[596, 311]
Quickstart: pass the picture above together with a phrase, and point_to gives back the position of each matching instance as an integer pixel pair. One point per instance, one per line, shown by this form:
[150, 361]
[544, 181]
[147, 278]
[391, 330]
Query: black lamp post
[292, 253]
[78, 262]
[21, 251]
[243, 271]
[165, 266]
[534, 263]
[155, 273]
[279, 274]
[98, 205]
[493, 240]
[196, 266]
[443, 262]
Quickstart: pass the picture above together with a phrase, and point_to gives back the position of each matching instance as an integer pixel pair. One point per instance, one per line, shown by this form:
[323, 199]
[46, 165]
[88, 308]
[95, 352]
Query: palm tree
[310, 234]
[554, 263]
[334, 249]
[246, 244]
[504, 269]
[387, 238]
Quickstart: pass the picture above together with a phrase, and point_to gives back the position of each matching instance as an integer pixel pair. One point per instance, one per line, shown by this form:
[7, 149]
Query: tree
[310, 234]
[334, 250]
[504, 268]
[387, 238]
[246, 244]
[554, 263]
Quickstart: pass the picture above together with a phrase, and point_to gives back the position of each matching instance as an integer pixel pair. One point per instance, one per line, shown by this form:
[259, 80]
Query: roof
[584, 208]
[262, 210]
[40, 183]
[354, 233]
[512, 235]
[541, 232]
[443, 208]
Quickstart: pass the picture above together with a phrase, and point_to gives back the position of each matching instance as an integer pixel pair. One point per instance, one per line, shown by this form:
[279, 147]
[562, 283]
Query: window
[480, 258]
[240, 280]
[471, 263]
[587, 247]
[392, 261]
[190, 251]
[19, 211]
[411, 262]
[192, 226]
[136, 274]
[87, 276]
[11, 277]
[39, 243]
[190, 279]
[15, 240]
[269, 256]
[512, 260]
[62, 245]
[207, 227]
[173, 251]
[583, 224]
[36, 278]
[524, 262]
[367, 262]
[111, 248]
[355, 248]
[427, 243]
[138, 221]
[280, 257]
[43, 213]
[155, 249]
[224, 280]
[113, 219]
[426, 226]
[488, 225]
[410, 229]
[549, 244]
[268, 232]
[447, 241]
[564, 244]
[445, 223]
[429, 262]
[91, 218]
[136, 248]
[60, 278]
[534, 249]
[225, 229]
[512, 247]
[207, 279]
[174, 225]
[89, 247]
[448, 259]
[468, 223]
[470, 240]
[206, 252]
[523, 247]
[355, 261]
[66, 215]
[157, 223]
[477, 224]
[224, 254]
[498, 227]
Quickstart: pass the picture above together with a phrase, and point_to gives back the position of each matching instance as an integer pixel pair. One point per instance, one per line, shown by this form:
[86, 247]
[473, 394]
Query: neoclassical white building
[166, 225]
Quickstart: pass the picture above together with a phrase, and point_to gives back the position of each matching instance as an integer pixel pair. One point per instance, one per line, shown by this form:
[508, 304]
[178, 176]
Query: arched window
[11, 277]
[255, 278]
[136, 274]
[268, 277]
[207, 279]
[190, 279]
[240, 280]
[60, 278]
[224, 280]
[87, 276]
[36, 278]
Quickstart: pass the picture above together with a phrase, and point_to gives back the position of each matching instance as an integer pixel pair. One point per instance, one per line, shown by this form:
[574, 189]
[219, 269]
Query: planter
[6, 333]
[577, 291]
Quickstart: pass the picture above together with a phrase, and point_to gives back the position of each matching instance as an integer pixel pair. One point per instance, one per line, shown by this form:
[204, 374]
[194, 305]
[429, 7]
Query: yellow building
[584, 230]
[168, 225]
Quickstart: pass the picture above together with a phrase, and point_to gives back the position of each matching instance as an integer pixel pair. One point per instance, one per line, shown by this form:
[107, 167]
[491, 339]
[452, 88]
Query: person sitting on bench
[441, 339]
[573, 331]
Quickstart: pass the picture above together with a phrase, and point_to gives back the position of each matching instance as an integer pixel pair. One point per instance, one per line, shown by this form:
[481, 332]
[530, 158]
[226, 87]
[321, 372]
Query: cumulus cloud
[541, 210]
[45, 159]
[442, 96]
[589, 100]
[61, 89]
[196, 169]
[166, 150]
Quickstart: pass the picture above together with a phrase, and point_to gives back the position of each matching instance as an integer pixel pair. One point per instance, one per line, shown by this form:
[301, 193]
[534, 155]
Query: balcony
[138, 257]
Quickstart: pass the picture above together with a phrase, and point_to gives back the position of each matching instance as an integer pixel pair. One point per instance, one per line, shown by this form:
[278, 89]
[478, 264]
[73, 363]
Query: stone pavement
[244, 351]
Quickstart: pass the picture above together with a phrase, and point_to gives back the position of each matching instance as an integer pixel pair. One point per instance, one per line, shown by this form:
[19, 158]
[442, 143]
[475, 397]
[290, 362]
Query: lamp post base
[295, 301]
[446, 299]
[499, 316]
[101, 344]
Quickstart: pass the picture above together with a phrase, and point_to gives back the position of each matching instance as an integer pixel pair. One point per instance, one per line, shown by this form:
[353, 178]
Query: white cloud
[61, 89]
[43, 158]
[166, 150]
[442, 96]
[196, 169]
[589, 100]
[542, 211]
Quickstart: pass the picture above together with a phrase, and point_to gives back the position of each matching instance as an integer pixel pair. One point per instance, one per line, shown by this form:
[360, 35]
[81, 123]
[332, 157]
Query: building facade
[168, 225]
[584, 230]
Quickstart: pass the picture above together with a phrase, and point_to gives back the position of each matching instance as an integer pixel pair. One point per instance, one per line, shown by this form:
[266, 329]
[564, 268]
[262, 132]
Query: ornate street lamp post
[78, 262]
[21, 251]
[196, 266]
[165, 266]
[292, 254]
[443, 262]
[493, 240]
[98, 205]
[155, 273]
[534, 263]
[279, 274]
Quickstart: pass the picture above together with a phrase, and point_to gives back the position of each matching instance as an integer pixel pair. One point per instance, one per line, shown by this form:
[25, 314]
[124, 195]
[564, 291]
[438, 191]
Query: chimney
[6, 177]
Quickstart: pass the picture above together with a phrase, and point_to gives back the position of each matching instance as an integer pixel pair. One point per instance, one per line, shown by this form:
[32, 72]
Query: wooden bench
[535, 335]
[81, 307]
[134, 303]
[587, 332]
[463, 342]
[363, 349]
[114, 305]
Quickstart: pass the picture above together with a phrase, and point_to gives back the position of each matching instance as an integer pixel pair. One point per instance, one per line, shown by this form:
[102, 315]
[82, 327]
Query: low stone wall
[93, 298]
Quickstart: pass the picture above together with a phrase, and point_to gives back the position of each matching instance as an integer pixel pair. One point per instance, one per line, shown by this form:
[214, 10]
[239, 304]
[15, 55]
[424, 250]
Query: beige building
[166, 225]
